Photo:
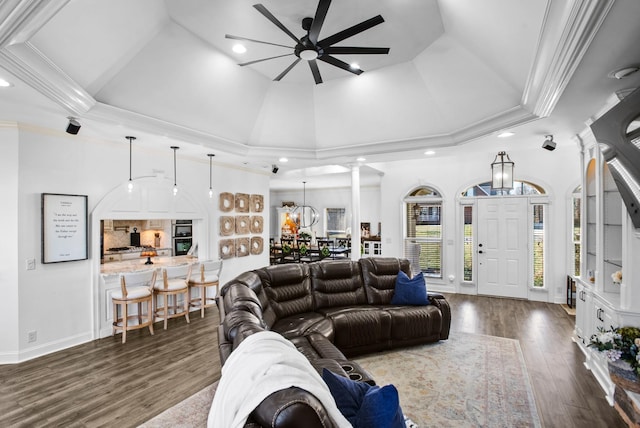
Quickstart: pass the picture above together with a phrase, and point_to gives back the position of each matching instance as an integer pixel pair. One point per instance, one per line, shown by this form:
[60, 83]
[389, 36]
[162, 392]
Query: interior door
[502, 247]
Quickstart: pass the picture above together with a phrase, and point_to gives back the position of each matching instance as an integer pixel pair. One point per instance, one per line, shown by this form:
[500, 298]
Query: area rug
[468, 380]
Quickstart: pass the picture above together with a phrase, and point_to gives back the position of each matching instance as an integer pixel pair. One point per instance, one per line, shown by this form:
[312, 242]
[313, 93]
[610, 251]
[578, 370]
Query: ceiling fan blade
[318, 20]
[340, 64]
[315, 71]
[351, 31]
[229, 36]
[263, 10]
[264, 59]
[286, 70]
[345, 50]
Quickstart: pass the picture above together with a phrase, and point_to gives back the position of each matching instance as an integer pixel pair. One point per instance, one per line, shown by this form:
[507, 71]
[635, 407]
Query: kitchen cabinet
[130, 255]
[112, 258]
[155, 224]
[371, 248]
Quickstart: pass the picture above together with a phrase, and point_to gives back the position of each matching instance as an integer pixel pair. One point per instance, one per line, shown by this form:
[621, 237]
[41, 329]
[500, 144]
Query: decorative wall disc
[227, 248]
[257, 245]
[227, 202]
[242, 225]
[243, 247]
[257, 224]
[257, 203]
[242, 203]
[227, 225]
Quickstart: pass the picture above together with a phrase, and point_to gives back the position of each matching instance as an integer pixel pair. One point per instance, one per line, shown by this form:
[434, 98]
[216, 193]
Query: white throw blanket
[263, 363]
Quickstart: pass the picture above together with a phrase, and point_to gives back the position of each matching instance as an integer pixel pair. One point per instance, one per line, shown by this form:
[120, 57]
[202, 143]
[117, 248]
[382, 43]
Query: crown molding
[21, 19]
[548, 78]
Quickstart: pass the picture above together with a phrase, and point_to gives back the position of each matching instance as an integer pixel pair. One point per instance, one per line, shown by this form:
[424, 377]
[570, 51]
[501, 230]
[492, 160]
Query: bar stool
[174, 284]
[135, 287]
[208, 276]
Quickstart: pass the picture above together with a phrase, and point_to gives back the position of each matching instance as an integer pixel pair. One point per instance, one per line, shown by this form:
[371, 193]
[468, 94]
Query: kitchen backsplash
[120, 237]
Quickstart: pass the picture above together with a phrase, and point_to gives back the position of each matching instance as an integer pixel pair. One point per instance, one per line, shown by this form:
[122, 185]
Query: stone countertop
[135, 250]
[115, 268]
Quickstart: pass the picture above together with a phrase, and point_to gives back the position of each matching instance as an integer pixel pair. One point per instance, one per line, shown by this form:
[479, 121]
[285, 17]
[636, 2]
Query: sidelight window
[423, 238]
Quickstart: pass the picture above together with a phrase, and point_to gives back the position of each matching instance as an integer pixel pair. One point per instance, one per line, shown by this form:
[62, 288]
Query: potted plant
[620, 346]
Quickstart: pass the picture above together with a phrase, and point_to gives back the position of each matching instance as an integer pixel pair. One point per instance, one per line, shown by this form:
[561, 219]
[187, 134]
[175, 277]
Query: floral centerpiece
[620, 346]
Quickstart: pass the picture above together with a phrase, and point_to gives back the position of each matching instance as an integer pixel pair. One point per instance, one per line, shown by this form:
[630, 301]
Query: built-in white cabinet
[155, 224]
[608, 241]
[371, 248]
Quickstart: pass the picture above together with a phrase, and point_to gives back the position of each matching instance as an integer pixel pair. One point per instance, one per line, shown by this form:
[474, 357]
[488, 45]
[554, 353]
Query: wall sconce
[175, 185]
[502, 172]
[130, 185]
[211, 155]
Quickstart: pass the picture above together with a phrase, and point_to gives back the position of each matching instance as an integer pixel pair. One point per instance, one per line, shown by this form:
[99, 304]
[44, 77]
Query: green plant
[620, 343]
[305, 235]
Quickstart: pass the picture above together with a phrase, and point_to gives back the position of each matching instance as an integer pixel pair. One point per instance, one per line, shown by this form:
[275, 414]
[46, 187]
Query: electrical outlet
[33, 336]
[31, 264]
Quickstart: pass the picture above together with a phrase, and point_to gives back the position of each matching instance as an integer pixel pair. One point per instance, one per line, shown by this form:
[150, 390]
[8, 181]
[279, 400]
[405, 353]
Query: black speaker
[73, 127]
[274, 169]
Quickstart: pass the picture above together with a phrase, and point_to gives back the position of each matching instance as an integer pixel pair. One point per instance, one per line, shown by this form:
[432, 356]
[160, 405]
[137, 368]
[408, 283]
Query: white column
[355, 212]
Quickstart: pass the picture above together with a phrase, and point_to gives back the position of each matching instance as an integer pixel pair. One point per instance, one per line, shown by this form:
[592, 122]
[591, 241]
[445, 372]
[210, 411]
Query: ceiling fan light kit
[310, 49]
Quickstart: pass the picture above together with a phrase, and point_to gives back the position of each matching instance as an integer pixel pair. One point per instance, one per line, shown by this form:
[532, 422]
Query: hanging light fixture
[502, 172]
[211, 155]
[307, 215]
[175, 185]
[130, 185]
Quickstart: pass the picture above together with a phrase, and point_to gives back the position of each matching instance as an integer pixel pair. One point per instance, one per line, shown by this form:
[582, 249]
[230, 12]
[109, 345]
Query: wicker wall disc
[257, 224]
[242, 225]
[227, 248]
[257, 203]
[257, 245]
[227, 202]
[243, 247]
[242, 203]
[227, 225]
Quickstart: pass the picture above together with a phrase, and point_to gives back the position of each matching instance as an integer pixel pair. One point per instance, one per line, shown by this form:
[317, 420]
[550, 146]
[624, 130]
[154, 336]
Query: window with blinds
[423, 240]
[336, 219]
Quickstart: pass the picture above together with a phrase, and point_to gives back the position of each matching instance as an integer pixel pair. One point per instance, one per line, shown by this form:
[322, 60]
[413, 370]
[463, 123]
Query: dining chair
[289, 253]
[202, 276]
[173, 285]
[135, 288]
[325, 248]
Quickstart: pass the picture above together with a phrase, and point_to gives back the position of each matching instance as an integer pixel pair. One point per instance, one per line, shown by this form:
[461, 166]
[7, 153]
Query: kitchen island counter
[115, 268]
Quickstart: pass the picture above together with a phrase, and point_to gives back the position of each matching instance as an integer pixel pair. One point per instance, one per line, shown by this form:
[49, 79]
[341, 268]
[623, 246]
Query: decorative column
[355, 212]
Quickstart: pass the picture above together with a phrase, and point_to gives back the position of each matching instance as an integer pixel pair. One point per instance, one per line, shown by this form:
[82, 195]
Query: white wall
[558, 172]
[56, 300]
[340, 197]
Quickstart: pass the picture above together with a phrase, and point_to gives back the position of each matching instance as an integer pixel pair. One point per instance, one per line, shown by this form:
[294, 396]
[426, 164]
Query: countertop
[114, 268]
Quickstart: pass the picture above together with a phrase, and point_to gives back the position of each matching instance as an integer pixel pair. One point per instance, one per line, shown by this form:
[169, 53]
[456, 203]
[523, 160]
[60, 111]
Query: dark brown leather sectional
[331, 311]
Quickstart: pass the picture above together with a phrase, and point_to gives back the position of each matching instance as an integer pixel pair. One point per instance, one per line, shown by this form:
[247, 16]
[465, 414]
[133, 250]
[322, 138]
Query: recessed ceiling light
[354, 66]
[624, 72]
[239, 48]
[361, 159]
[283, 160]
[506, 134]
[4, 83]
[429, 152]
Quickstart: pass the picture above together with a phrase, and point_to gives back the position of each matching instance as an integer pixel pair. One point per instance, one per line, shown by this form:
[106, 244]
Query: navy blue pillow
[410, 291]
[363, 405]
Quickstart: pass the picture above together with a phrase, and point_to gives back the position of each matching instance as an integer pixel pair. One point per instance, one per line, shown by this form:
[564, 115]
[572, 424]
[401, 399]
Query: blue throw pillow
[364, 405]
[410, 291]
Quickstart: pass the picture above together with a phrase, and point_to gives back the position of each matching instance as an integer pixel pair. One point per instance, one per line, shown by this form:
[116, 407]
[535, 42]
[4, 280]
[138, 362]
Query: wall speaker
[73, 127]
[274, 169]
[548, 143]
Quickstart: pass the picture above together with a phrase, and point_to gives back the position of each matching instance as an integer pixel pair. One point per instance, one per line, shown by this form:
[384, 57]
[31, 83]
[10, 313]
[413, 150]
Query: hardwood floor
[106, 383]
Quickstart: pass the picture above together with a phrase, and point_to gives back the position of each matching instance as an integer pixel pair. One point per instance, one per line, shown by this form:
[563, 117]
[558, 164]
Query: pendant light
[211, 155]
[502, 172]
[307, 215]
[130, 185]
[175, 185]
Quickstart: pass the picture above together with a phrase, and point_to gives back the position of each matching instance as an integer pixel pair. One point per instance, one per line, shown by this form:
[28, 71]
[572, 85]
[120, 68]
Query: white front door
[502, 247]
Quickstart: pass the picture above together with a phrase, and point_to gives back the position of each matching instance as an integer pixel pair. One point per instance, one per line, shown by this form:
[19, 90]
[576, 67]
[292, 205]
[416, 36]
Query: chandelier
[305, 215]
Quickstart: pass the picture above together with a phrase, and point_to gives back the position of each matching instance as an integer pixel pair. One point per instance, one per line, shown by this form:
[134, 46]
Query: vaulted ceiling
[458, 72]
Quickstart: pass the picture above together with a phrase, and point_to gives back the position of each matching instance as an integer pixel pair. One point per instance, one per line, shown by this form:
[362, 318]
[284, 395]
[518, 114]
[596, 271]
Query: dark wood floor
[105, 383]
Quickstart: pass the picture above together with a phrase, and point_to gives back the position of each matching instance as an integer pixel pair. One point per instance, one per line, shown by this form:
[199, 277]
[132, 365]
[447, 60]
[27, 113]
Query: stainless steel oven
[182, 228]
[181, 246]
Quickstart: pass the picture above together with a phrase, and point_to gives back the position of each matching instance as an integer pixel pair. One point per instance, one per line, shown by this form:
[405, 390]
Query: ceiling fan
[309, 48]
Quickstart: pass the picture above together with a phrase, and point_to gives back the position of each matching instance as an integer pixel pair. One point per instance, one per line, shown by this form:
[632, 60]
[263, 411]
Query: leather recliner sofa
[331, 311]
